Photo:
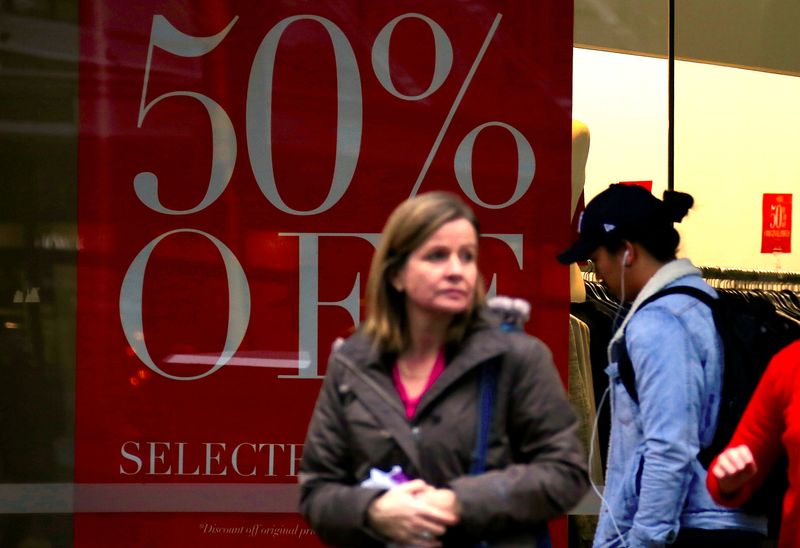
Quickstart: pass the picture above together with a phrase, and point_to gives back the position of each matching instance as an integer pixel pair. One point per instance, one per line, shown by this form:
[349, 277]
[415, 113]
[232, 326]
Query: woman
[665, 410]
[768, 427]
[404, 391]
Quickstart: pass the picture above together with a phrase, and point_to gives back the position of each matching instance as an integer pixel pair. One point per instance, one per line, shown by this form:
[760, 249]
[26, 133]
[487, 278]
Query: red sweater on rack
[772, 419]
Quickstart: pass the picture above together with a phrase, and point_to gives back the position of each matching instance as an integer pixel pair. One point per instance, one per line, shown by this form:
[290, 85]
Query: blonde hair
[408, 227]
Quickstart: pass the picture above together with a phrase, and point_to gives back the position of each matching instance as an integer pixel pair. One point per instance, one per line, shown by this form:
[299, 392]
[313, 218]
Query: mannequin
[581, 384]
[580, 153]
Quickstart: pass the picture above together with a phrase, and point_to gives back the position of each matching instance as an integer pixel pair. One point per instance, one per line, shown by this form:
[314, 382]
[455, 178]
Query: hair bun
[677, 205]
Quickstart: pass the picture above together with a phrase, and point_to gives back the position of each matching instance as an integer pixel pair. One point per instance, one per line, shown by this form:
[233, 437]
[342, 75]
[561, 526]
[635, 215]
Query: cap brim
[579, 251]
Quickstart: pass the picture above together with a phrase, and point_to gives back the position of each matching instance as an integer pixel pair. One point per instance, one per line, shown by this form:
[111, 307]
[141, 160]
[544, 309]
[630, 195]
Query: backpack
[751, 332]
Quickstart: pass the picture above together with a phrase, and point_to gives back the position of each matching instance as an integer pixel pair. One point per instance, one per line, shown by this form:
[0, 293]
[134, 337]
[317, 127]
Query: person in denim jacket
[655, 486]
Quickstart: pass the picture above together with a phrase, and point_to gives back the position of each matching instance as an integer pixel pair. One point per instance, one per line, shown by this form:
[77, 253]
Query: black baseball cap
[619, 210]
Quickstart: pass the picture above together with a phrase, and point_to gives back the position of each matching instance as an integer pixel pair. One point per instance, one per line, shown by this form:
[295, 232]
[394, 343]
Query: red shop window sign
[776, 231]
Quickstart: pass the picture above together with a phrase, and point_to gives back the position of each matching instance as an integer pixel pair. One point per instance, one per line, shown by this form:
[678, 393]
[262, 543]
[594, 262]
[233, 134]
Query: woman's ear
[396, 282]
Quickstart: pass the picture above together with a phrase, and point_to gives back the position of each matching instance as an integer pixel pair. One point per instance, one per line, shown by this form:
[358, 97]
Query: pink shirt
[410, 404]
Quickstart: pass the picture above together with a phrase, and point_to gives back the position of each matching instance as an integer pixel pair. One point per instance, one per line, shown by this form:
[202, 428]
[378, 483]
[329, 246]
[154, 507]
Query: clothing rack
[732, 278]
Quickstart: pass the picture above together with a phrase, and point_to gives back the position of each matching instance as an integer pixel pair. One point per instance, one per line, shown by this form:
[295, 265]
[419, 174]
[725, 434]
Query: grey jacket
[535, 464]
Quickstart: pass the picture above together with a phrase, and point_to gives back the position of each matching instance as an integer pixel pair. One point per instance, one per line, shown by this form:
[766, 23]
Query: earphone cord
[600, 407]
[591, 459]
[621, 304]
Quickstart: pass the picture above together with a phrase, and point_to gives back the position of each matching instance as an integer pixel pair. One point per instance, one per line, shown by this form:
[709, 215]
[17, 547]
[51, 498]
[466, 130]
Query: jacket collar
[484, 342]
[665, 275]
[375, 384]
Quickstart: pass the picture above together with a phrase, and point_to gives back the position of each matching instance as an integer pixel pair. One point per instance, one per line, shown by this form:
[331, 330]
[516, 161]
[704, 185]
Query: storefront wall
[735, 80]
[128, 425]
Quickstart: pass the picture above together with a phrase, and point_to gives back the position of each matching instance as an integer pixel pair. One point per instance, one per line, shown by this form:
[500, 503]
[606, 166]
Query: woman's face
[439, 276]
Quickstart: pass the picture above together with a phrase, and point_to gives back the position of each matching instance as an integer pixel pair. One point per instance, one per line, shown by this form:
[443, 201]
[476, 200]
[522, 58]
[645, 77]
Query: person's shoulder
[690, 282]
[664, 307]
[356, 341]
[789, 355]
[521, 345]
[696, 282]
[526, 357]
[357, 349]
[489, 332]
[657, 322]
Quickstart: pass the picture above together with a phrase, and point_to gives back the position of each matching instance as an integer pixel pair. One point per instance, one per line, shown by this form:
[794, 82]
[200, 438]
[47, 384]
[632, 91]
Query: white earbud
[625, 258]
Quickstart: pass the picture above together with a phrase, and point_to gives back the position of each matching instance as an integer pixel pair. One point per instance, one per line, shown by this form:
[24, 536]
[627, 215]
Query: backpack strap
[624, 364]
[487, 392]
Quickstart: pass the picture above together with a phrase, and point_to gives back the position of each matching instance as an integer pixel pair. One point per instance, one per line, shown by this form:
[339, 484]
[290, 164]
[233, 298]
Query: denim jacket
[654, 484]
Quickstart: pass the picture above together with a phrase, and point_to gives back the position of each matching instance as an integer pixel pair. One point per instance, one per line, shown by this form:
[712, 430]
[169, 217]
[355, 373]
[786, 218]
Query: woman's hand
[734, 468]
[443, 499]
[404, 515]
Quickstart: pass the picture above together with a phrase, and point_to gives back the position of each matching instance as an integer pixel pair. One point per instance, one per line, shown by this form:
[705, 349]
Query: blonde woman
[392, 455]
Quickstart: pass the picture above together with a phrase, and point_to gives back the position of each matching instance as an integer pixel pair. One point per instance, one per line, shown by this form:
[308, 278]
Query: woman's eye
[467, 256]
[437, 255]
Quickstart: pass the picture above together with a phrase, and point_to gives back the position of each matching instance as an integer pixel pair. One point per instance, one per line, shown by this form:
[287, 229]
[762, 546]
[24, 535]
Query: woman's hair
[408, 227]
[659, 236]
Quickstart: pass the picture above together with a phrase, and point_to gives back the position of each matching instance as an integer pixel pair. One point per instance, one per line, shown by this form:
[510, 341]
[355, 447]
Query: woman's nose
[454, 265]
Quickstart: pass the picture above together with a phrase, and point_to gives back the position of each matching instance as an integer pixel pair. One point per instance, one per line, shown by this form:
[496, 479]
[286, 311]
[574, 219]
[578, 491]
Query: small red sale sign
[776, 223]
[237, 163]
